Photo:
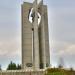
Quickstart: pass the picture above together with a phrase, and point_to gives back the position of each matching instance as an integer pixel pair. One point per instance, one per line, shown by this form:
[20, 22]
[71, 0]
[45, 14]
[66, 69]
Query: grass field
[57, 71]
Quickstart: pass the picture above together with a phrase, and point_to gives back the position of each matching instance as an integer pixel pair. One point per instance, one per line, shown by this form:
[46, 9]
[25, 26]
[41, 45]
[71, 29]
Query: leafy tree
[0, 67]
[11, 66]
[61, 63]
[71, 69]
[60, 66]
[18, 67]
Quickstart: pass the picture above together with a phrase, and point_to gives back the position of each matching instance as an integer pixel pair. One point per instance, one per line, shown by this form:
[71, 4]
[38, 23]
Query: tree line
[12, 66]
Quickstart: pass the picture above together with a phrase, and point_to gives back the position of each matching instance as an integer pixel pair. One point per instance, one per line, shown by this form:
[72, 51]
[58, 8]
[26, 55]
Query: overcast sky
[61, 20]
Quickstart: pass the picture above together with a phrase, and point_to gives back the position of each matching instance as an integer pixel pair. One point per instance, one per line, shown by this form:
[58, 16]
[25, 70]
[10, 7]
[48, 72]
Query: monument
[35, 38]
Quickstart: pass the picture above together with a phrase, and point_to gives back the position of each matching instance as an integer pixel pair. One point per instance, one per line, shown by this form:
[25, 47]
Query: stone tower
[35, 38]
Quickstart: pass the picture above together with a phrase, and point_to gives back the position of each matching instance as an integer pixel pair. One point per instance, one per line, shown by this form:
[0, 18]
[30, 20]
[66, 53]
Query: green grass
[57, 71]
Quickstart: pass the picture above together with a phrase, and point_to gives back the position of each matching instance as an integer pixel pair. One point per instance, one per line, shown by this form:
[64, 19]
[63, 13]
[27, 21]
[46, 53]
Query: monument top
[38, 1]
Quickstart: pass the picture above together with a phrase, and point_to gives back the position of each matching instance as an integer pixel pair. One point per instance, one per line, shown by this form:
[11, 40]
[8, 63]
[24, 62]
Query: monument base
[22, 72]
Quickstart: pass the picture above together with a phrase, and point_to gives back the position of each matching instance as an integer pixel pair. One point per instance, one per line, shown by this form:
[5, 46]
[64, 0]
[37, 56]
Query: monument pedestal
[22, 72]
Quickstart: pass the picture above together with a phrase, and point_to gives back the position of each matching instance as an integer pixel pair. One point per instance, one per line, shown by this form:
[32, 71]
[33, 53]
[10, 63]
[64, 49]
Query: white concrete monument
[35, 38]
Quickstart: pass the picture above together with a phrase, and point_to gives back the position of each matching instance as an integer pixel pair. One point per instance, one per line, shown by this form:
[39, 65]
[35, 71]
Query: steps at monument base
[21, 72]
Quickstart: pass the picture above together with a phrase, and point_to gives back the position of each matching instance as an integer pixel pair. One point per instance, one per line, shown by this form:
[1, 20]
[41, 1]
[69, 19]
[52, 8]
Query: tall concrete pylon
[35, 37]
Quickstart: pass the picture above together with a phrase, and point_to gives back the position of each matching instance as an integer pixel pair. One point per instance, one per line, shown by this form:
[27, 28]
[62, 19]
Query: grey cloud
[62, 25]
[10, 35]
[10, 50]
[62, 30]
[10, 47]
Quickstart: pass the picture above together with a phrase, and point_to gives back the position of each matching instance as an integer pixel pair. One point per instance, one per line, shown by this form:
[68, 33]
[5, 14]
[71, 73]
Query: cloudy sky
[61, 14]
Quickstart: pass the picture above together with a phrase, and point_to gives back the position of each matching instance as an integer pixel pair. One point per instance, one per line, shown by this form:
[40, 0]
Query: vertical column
[35, 39]
[26, 37]
[47, 38]
[43, 36]
[43, 41]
